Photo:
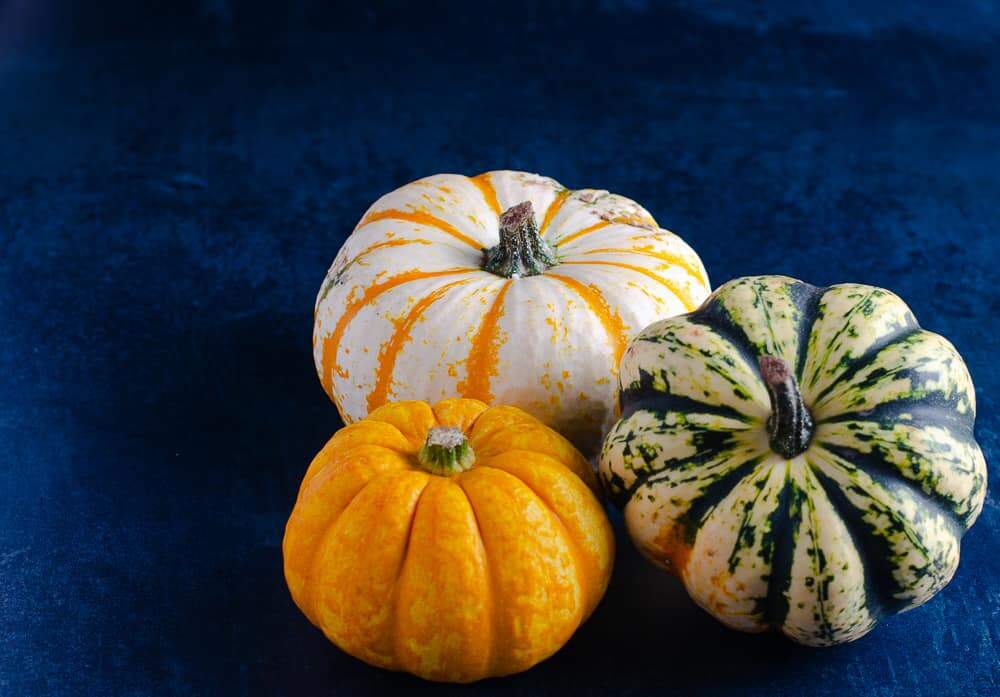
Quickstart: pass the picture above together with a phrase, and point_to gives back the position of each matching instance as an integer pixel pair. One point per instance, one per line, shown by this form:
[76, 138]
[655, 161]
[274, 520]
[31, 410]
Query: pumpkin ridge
[881, 586]
[491, 592]
[389, 351]
[941, 413]
[888, 476]
[331, 343]
[858, 363]
[845, 318]
[331, 528]
[715, 316]
[613, 326]
[337, 277]
[485, 186]
[666, 283]
[707, 453]
[484, 352]
[579, 567]
[702, 505]
[421, 218]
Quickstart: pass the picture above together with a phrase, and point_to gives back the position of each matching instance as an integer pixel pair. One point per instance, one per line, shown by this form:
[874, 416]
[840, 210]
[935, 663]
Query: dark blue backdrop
[175, 179]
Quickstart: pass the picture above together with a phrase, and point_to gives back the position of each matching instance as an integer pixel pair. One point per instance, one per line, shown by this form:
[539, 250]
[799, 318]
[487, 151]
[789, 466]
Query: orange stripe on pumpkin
[422, 218]
[610, 320]
[483, 183]
[553, 210]
[389, 351]
[398, 242]
[672, 287]
[674, 259]
[331, 343]
[481, 364]
[585, 231]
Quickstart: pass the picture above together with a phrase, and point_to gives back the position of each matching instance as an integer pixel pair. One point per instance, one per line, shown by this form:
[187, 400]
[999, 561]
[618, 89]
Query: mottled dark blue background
[175, 179]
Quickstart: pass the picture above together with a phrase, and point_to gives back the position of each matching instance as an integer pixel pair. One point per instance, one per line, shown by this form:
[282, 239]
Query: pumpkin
[505, 287]
[801, 458]
[455, 542]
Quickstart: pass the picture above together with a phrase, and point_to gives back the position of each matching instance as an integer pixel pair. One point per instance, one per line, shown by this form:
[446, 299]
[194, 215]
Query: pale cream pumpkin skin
[407, 311]
[452, 569]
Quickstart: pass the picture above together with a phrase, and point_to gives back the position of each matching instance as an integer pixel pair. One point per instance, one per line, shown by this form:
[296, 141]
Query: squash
[505, 287]
[801, 458]
[455, 542]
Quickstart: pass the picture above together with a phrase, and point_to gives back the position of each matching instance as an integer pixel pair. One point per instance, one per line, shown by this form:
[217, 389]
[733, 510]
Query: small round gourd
[455, 542]
[801, 458]
[505, 287]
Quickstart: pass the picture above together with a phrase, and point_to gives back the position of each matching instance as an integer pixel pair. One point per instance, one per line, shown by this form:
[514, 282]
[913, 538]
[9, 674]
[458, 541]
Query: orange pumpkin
[454, 541]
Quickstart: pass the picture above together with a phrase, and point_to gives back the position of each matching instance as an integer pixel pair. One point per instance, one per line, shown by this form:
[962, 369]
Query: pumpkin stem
[522, 251]
[790, 424]
[446, 451]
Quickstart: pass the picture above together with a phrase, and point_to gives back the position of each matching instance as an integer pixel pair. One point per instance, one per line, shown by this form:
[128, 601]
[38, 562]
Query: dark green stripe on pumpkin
[874, 550]
[931, 409]
[777, 549]
[710, 446]
[877, 466]
[852, 366]
[807, 298]
[713, 494]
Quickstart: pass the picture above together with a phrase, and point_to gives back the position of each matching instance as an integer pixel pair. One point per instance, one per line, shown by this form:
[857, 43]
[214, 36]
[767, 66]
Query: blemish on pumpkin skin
[670, 548]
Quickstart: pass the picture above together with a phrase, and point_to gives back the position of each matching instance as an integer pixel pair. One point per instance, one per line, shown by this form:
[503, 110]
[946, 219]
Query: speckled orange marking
[389, 351]
[669, 285]
[422, 218]
[553, 210]
[481, 364]
[648, 251]
[585, 231]
[483, 183]
[611, 321]
[332, 342]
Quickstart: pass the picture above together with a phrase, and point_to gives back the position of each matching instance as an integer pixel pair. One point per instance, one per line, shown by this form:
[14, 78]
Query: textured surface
[409, 311]
[168, 210]
[820, 535]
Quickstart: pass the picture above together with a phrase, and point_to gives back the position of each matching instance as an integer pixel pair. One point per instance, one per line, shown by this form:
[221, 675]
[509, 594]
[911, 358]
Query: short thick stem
[446, 451]
[790, 425]
[521, 251]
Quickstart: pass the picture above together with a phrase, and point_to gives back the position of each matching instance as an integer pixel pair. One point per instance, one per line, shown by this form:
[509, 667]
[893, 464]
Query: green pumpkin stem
[446, 451]
[521, 251]
[791, 424]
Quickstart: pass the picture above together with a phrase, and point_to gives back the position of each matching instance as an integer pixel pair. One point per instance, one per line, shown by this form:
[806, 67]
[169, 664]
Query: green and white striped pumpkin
[801, 458]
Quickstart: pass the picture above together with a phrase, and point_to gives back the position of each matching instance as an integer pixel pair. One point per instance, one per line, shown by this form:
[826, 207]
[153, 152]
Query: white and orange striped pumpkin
[434, 296]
